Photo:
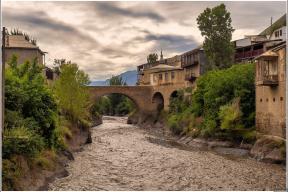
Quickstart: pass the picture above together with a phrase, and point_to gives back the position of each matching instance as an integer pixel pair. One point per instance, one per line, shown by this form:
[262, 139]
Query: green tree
[152, 58]
[70, 89]
[215, 26]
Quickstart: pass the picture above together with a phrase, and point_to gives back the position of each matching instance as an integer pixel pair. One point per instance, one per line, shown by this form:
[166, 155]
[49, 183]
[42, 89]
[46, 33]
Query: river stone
[269, 149]
[219, 144]
[200, 141]
[231, 151]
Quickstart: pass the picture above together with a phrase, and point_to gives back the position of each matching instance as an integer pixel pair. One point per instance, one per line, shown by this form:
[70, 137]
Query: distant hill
[129, 76]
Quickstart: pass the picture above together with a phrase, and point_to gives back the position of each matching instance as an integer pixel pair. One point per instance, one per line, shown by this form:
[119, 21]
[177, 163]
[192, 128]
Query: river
[125, 157]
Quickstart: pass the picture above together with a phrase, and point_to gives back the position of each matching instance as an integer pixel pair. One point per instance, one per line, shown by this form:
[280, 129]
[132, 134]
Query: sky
[108, 38]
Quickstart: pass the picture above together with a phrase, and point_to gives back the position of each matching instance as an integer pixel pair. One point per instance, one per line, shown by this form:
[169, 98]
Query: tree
[71, 91]
[215, 26]
[116, 99]
[152, 58]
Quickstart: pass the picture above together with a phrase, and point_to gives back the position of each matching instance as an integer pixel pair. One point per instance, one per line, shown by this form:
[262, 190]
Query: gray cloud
[107, 38]
[45, 27]
[109, 9]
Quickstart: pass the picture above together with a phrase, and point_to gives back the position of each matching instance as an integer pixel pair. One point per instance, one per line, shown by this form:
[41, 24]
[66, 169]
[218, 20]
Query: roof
[18, 41]
[163, 67]
[276, 25]
[200, 47]
[271, 52]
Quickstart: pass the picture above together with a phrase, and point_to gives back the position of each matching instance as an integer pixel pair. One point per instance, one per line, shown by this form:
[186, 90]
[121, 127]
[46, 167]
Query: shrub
[22, 141]
[230, 115]
[173, 123]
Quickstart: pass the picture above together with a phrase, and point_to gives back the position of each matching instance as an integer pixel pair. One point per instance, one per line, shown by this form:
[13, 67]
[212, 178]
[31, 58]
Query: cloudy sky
[107, 38]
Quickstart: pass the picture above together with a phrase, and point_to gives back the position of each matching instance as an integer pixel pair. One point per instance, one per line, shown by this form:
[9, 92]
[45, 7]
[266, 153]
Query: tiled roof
[18, 41]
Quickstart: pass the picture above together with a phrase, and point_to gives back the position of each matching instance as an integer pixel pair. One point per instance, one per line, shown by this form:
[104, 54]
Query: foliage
[102, 106]
[152, 58]
[215, 26]
[71, 93]
[114, 104]
[21, 141]
[230, 115]
[223, 105]
[177, 102]
[26, 36]
[28, 102]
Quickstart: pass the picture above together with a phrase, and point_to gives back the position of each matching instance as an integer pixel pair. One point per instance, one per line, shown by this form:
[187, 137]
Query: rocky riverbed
[125, 157]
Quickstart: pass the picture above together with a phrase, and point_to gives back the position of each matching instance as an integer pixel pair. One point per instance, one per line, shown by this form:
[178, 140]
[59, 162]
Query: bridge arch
[158, 101]
[140, 95]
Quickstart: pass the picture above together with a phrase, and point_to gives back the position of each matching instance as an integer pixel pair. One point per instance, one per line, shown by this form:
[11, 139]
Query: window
[280, 32]
[276, 33]
[172, 75]
[160, 77]
[166, 76]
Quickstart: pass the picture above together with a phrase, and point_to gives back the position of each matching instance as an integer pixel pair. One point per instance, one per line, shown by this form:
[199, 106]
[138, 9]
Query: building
[178, 70]
[25, 50]
[270, 91]
[193, 63]
[251, 46]
[277, 30]
[144, 70]
[162, 75]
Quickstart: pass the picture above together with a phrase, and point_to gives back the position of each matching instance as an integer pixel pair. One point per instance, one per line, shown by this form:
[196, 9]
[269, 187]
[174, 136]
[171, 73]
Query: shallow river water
[125, 157]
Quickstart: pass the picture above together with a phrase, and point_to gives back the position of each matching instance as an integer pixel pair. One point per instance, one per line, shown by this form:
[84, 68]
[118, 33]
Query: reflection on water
[125, 157]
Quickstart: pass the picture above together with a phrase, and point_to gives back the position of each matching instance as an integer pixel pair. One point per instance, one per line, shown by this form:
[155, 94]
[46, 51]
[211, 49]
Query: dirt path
[124, 157]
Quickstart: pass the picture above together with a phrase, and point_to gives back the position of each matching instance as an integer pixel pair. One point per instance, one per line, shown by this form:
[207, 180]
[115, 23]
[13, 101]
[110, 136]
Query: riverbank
[268, 149]
[127, 157]
[35, 174]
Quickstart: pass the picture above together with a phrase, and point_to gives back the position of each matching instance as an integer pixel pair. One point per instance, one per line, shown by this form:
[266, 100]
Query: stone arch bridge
[148, 99]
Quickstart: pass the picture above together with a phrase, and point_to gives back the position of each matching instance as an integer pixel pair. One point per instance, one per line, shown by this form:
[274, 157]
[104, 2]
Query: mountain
[129, 76]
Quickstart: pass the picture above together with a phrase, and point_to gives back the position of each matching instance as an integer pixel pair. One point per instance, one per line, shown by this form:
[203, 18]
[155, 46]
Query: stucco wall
[23, 55]
[270, 103]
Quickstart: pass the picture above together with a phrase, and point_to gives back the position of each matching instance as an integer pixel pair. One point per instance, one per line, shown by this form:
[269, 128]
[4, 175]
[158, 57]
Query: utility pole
[2, 93]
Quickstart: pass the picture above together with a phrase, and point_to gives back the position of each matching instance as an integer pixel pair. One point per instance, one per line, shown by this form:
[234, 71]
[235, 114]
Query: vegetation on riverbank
[222, 106]
[39, 119]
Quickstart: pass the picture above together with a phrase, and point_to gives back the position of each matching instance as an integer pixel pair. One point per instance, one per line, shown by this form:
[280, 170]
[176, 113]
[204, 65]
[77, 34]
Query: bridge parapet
[140, 95]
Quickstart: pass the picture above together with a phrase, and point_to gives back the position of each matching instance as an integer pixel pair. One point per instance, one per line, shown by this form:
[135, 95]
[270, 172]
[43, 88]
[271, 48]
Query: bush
[222, 106]
[230, 115]
[174, 125]
[22, 141]
[28, 102]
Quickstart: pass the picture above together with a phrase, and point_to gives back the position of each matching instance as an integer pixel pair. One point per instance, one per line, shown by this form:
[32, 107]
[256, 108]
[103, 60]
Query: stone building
[154, 73]
[270, 91]
[178, 70]
[193, 63]
[23, 49]
[26, 50]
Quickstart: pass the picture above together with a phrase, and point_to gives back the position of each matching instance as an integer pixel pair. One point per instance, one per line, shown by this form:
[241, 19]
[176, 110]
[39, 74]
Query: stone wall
[270, 103]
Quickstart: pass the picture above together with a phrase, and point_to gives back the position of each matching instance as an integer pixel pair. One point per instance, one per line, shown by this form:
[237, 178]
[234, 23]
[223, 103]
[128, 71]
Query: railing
[269, 80]
[248, 54]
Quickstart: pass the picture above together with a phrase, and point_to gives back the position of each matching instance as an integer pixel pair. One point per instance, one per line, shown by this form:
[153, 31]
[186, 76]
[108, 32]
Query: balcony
[248, 54]
[268, 80]
[190, 77]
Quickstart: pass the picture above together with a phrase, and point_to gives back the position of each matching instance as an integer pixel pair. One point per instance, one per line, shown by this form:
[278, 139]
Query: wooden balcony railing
[248, 54]
[268, 80]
